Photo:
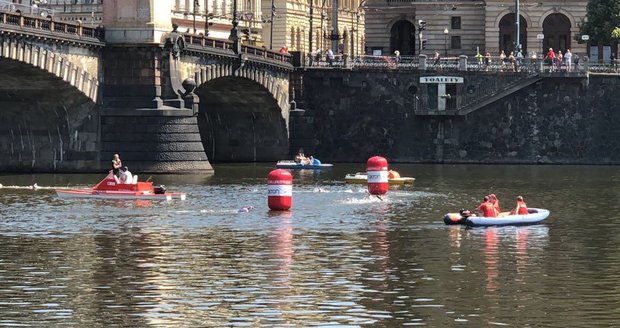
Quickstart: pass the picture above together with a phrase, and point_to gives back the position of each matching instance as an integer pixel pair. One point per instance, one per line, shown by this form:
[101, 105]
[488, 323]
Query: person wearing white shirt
[126, 176]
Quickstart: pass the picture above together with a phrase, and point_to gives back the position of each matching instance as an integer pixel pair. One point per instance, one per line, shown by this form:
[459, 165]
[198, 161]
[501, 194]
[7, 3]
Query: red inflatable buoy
[280, 190]
[377, 173]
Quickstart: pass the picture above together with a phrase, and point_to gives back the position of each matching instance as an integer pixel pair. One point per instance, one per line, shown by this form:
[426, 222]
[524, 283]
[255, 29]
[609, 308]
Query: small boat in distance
[109, 188]
[289, 164]
[362, 178]
[535, 215]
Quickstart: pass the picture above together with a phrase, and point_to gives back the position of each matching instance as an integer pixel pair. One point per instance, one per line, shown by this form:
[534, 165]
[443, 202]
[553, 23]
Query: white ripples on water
[339, 258]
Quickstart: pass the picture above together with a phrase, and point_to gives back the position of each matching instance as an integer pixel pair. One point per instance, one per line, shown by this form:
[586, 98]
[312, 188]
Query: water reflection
[338, 258]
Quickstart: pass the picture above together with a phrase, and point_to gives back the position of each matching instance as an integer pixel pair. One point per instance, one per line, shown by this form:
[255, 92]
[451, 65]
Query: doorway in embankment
[240, 121]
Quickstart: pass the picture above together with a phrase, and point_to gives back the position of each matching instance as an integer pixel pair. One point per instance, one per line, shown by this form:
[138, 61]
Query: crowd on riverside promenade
[551, 61]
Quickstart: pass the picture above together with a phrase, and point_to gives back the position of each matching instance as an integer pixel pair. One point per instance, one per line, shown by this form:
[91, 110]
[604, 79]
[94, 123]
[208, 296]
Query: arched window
[507, 33]
[403, 38]
[556, 28]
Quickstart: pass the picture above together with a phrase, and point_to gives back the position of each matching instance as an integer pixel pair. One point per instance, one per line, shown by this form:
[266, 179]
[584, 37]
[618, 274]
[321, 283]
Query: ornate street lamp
[196, 5]
[445, 40]
[273, 14]
[310, 32]
[234, 31]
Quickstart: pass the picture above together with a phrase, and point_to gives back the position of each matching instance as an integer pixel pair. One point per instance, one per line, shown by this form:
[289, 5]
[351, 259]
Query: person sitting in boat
[495, 202]
[126, 176]
[521, 207]
[300, 158]
[393, 174]
[486, 208]
[116, 165]
[314, 161]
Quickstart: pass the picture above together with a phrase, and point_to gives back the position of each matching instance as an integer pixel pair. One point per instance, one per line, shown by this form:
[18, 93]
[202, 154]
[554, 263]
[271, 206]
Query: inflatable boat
[534, 216]
[287, 164]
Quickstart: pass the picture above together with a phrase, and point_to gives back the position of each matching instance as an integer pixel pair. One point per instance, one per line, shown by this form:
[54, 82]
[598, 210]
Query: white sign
[585, 37]
[540, 36]
[441, 79]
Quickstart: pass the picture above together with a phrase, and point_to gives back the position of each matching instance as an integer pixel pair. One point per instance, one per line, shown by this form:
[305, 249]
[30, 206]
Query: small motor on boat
[465, 213]
[161, 189]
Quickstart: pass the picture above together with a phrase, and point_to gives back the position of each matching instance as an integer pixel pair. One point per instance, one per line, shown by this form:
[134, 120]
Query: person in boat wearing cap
[495, 203]
[521, 207]
[486, 208]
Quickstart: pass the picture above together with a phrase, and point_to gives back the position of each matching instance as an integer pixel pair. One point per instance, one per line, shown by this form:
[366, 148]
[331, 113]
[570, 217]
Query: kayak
[362, 178]
[287, 164]
[534, 216]
[109, 188]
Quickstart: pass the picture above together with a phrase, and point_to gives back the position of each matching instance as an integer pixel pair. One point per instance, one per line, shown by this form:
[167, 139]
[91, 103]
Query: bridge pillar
[148, 113]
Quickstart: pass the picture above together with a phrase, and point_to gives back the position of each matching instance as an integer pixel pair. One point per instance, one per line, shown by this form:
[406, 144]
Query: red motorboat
[110, 188]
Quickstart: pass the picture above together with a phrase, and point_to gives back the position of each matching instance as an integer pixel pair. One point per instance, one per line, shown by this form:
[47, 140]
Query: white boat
[534, 216]
[288, 164]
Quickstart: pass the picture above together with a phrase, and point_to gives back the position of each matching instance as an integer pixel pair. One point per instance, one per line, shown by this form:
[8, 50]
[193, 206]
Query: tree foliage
[602, 19]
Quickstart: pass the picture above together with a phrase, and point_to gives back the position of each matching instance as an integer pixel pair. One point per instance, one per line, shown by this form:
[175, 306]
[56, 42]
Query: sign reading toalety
[441, 79]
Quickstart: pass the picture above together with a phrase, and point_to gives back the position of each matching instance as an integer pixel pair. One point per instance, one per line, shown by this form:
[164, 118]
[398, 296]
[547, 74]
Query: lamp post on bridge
[310, 32]
[273, 14]
[196, 5]
[234, 31]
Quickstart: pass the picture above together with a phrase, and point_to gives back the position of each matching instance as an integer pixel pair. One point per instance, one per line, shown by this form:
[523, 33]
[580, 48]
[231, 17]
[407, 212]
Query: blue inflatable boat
[535, 215]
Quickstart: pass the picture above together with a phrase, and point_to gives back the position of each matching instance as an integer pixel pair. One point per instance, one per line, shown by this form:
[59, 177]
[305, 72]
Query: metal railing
[199, 40]
[492, 64]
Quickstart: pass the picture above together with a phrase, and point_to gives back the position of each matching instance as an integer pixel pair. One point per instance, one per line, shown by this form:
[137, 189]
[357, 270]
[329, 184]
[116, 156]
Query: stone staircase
[482, 96]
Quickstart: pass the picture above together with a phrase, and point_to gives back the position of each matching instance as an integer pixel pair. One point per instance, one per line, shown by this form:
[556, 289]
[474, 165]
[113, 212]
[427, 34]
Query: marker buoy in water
[377, 173]
[280, 190]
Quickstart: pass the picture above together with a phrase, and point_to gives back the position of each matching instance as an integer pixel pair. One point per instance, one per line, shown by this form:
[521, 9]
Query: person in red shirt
[486, 208]
[550, 59]
[521, 207]
[493, 199]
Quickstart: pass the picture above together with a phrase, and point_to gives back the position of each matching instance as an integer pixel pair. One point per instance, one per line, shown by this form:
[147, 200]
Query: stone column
[144, 116]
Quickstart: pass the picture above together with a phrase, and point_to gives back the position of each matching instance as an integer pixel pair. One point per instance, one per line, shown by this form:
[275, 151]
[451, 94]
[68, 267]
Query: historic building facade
[464, 27]
[337, 24]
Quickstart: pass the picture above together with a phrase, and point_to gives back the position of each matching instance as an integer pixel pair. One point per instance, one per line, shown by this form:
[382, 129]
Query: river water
[339, 258]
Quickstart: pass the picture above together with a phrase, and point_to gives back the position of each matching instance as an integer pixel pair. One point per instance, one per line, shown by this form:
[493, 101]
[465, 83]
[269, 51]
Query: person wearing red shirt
[486, 208]
[493, 199]
[521, 207]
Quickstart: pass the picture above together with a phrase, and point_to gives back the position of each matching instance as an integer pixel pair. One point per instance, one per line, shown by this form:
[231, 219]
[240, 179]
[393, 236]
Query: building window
[455, 42]
[456, 22]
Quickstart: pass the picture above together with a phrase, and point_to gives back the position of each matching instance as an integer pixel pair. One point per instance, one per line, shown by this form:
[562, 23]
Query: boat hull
[536, 215]
[89, 193]
[297, 166]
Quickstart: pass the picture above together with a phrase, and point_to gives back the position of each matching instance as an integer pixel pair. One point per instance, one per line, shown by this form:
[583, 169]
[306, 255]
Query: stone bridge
[69, 99]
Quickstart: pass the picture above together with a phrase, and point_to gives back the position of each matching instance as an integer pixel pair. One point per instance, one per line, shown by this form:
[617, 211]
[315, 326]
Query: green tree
[602, 20]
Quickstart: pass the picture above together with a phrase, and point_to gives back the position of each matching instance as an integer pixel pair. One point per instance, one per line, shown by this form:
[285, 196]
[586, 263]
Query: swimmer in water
[245, 209]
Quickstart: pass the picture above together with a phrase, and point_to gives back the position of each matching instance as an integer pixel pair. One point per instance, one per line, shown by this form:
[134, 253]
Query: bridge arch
[26, 49]
[240, 121]
[244, 109]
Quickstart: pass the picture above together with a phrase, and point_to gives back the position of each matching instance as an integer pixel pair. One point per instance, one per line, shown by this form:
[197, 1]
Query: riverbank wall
[559, 119]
